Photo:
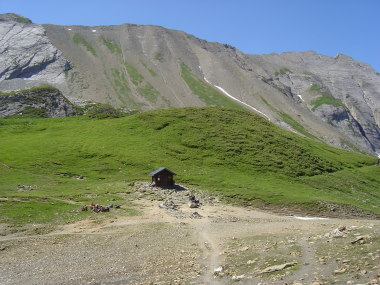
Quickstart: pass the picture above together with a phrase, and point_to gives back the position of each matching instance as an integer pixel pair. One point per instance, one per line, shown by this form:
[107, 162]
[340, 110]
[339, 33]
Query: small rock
[337, 233]
[340, 270]
[278, 267]
[169, 204]
[357, 239]
[244, 248]
[218, 270]
[195, 215]
[193, 205]
[342, 228]
[238, 277]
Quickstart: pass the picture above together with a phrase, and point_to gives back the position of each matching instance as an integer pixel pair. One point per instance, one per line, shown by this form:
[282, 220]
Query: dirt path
[308, 263]
[174, 246]
[211, 259]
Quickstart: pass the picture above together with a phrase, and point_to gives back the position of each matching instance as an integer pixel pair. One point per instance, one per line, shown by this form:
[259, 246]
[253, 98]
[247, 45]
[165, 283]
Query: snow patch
[378, 154]
[309, 218]
[233, 98]
[69, 29]
[207, 80]
[93, 31]
[301, 98]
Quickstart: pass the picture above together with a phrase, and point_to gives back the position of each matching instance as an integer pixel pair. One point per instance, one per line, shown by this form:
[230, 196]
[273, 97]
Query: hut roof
[159, 170]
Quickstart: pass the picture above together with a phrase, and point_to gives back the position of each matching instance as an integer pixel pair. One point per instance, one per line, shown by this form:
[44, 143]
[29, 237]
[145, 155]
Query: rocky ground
[171, 243]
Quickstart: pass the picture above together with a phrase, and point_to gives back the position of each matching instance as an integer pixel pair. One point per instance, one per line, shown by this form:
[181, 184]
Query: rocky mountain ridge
[42, 101]
[336, 100]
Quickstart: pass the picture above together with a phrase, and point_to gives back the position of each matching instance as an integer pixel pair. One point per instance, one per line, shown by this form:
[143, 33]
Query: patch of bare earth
[171, 244]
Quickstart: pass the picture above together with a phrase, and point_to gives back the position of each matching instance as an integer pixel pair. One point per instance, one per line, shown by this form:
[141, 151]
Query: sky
[329, 27]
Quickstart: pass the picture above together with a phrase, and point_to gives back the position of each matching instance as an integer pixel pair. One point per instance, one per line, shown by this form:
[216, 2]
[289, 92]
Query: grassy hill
[233, 153]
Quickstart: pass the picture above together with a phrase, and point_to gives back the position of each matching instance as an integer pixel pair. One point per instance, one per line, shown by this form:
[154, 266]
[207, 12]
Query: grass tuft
[79, 40]
[113, 47]
[315, 87]
[151, 71]
[326, 99]
[282, 71]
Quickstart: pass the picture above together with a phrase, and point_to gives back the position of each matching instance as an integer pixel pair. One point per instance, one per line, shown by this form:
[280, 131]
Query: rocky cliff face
[336, 100]
[27, 58]
[339, 91]
[42, 101]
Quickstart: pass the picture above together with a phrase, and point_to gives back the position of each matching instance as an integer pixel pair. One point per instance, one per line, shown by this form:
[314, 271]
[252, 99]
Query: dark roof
[159, 170]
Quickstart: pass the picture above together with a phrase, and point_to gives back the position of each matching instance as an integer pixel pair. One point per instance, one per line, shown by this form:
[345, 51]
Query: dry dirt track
[164, 246]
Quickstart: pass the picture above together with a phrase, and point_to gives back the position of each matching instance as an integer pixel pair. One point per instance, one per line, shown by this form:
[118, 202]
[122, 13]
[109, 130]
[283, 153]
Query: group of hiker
[194, 203]
[96, 208]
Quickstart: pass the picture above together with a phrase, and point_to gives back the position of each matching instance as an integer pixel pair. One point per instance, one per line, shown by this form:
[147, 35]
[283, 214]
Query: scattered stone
[337, 233]
[251, 261]
[238, 277]
[169, 204]
[342, 228]
[357, 239]
[21, 188]
[340, 270]
[278, 267]
[195, 215]
[244, 248]
[218, 271]
[193, 205]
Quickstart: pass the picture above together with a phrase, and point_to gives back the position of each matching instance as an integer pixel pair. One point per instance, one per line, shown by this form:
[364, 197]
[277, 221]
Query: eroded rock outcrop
[341, 91]
[42, 101]
[27, 58]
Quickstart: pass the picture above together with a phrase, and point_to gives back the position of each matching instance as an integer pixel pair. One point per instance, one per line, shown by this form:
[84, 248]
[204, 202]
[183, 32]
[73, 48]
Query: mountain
[335, 100]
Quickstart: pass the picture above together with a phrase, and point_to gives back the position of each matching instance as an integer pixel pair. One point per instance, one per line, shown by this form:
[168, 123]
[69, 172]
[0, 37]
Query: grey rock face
[27, 58]
[48, 102]
[351, 87]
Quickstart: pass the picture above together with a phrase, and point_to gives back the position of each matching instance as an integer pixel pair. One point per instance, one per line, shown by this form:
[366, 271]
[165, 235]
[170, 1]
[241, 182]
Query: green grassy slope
[234, 153]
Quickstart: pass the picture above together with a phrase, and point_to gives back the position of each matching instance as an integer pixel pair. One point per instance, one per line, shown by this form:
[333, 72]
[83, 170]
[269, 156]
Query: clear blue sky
[329, 27]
